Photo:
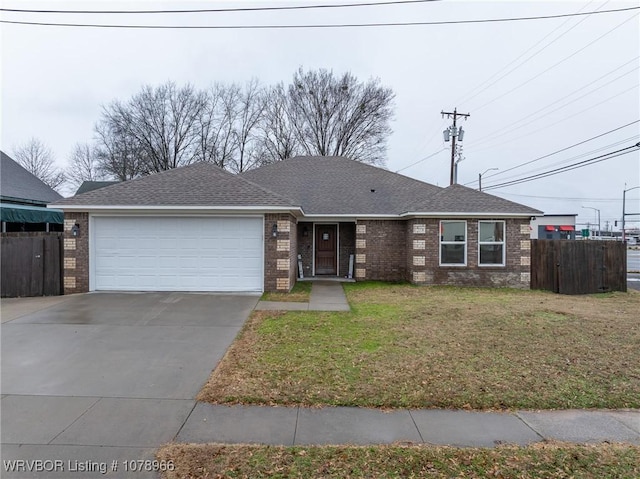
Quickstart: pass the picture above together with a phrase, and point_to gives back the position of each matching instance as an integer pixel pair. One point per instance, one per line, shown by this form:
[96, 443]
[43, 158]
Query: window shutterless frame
[492, 247]
[452, 242]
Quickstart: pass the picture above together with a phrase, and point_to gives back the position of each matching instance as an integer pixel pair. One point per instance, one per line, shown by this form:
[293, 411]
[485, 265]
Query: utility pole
[453, 132]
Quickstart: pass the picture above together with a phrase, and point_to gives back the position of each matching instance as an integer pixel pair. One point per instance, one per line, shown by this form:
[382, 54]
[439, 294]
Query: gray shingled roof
[320, 185]
[200, 184]
[330, 185]
[460, 199]
[17, 184]
[93, 185]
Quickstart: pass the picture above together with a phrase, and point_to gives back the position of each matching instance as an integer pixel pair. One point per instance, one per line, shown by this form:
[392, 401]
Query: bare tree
[119, 155]
[227, 130]
[239, 127]
[277, 137]
[83, 165]
[214, 130]
[250, 106]
[37, 158]
[160, 122]
[333, 115]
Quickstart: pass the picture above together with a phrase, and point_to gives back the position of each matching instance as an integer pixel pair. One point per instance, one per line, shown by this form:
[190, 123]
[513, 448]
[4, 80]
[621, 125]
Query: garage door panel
[177, 254]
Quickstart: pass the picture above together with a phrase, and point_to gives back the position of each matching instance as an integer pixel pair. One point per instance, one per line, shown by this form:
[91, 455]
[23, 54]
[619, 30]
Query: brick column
[525, 254]
[76, 253]
[279, 252]
[417, 251]
[361, 251]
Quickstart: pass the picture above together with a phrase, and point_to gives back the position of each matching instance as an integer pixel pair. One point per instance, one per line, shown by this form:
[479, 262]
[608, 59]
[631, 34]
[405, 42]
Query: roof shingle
[331, 185]
[199, 184]
[319, 185]
[18, 184]
[460, 199]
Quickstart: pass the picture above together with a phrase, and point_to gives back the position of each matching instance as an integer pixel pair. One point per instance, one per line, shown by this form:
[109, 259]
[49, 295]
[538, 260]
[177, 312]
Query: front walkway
[325, 296]
[288, 426]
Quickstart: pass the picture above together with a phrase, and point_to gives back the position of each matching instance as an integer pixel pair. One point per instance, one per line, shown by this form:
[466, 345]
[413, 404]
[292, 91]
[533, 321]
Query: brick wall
[280, 261]
[76, 254]
[420, 250]
[305, 247]
[381, 250]
[423, 256]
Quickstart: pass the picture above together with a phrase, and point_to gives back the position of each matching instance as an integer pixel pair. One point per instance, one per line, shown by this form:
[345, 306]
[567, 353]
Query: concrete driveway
[105, 378]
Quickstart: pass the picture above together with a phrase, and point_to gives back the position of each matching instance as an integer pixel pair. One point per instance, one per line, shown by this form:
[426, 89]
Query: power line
[557, 63]
[557, 171]
[468, 98]
[335, 25]
[421, 160]
[512, 139]
[563, 198]
[560, 150]
[498, 132]
[580, 164]
[220, 10]
[582, 155]
[423, 145]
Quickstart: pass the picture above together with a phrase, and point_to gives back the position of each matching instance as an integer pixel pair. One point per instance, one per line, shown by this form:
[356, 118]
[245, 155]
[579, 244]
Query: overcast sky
[531, 87]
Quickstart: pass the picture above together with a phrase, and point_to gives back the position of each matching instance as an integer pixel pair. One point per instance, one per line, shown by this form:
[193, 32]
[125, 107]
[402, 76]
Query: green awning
[30, 214]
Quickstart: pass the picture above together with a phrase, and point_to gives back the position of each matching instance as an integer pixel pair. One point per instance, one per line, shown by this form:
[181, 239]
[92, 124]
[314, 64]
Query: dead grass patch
[416, 347]
[556, 460]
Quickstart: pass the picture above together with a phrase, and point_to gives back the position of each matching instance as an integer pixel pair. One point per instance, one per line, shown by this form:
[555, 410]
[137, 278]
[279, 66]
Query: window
[491, 245]
[453, 243]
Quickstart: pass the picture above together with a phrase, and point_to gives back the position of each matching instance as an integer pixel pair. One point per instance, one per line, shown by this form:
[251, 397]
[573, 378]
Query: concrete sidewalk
[360, 426]
[325, 296]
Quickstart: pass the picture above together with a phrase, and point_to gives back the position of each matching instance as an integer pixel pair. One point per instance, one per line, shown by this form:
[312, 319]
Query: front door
[326, 246]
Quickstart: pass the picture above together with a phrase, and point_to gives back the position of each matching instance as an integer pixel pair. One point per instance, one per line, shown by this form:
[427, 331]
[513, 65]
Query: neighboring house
[23, 200]
[200, 228]
[554, 227]
[93, 185]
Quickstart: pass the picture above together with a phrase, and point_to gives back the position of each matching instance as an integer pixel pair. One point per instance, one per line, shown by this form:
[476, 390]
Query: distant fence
[31, 264]
[578, 267]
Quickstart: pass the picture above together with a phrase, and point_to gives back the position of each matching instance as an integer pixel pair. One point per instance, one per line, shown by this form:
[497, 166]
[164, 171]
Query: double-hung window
[491, 243]
[453, 243]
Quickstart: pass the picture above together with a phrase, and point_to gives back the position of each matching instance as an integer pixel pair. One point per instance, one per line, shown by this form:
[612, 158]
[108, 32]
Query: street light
[480, 177]
[595, 209]
[624, 213]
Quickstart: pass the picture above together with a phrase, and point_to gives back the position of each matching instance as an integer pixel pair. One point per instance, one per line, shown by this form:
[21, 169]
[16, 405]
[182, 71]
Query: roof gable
[199, 184]
[93, 185]
[19, 185]
[331, 185]
[460, 199]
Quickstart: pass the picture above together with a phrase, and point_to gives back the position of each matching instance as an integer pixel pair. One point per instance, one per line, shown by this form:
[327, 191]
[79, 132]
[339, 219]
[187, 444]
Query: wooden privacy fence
[31, 264]
[578, 267]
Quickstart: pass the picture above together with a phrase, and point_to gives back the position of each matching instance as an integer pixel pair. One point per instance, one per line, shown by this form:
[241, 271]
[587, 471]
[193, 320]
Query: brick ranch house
[200, 228]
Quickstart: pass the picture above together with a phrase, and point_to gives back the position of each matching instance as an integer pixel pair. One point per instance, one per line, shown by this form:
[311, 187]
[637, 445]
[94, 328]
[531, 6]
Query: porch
[327, 279]
[325, 249]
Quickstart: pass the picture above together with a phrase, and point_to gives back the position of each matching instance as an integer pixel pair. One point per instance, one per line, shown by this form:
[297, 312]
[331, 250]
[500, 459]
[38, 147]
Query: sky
[546, 92]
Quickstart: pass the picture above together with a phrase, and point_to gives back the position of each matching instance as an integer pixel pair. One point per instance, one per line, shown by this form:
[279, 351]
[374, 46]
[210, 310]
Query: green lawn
[202, 461]
[421, 347]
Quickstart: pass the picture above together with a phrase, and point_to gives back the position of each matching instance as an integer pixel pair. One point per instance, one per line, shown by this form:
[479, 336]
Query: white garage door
[177, 254]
